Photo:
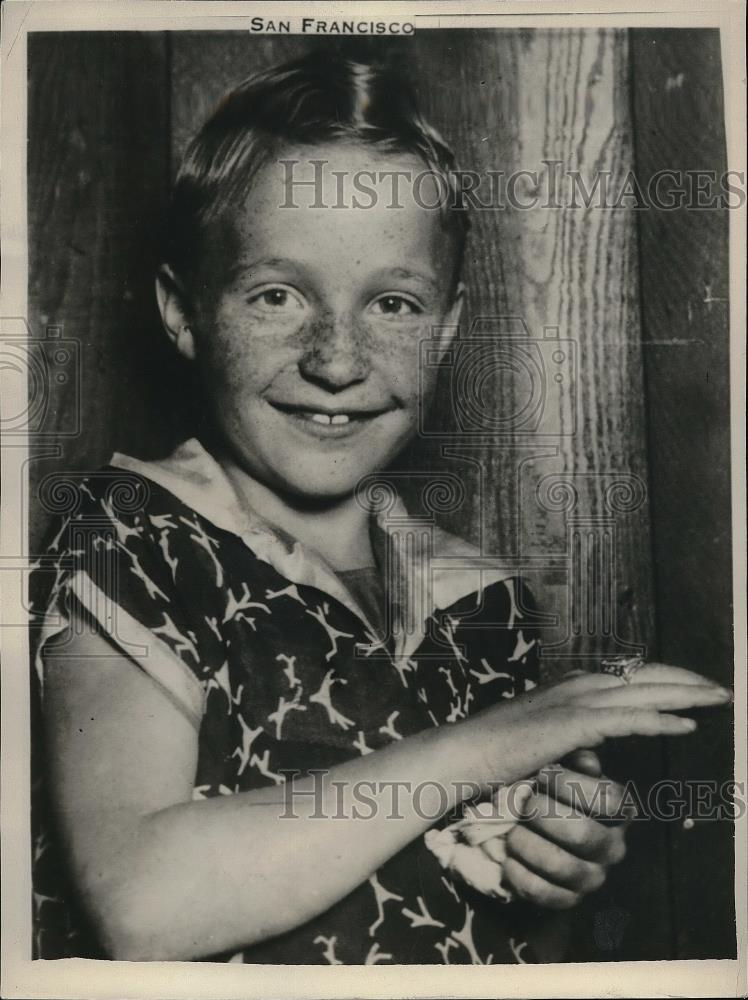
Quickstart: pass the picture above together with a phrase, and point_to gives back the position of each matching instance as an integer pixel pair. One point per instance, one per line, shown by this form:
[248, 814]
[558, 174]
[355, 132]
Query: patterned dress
[266, 651]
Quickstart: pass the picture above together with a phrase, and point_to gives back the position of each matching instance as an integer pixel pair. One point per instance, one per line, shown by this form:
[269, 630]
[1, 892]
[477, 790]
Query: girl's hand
[561, 852]
[516, 739]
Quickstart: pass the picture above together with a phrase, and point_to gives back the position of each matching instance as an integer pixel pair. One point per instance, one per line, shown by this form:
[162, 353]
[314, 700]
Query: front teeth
[323, 418]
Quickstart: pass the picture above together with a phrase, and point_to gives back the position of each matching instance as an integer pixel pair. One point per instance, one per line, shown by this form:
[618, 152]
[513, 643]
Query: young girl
[260, 691]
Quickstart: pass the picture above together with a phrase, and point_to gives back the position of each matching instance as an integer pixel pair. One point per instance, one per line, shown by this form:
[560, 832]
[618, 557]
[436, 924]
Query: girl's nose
[335, 355]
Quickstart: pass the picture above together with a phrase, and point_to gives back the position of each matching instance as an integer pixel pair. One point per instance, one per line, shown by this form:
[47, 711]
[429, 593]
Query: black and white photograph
[373, 536]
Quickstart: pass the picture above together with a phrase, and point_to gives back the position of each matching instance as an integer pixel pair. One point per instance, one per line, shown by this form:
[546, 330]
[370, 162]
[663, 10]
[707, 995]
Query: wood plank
[97, 174]
[205, 65]
[524, 98]
[679, 112]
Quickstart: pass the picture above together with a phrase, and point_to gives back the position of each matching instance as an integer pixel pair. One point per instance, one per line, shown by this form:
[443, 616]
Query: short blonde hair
[320, 97]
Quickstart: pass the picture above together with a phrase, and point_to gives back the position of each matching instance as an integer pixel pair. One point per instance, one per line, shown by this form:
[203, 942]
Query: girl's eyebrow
[244, 267]
[405, 274]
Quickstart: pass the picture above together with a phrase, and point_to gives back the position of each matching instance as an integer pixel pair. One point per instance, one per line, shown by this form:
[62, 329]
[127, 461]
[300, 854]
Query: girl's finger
[580, 683]
[569, 828]
[661, 673]
[584, 762]
[598, 797]
[537, 890]
[552, 862]
[606, 723]
[667, 697]
[649, 673]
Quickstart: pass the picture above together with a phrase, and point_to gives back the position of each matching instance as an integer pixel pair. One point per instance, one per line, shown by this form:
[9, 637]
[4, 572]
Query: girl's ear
[449, 330]
[172, 306]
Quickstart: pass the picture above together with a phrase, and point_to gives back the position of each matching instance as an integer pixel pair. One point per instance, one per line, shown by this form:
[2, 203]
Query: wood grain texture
[510, 100]
[679, 114]
[205, 65]
[97, 178]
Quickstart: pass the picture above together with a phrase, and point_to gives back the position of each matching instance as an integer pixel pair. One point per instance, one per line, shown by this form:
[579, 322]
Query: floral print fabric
[278, 676]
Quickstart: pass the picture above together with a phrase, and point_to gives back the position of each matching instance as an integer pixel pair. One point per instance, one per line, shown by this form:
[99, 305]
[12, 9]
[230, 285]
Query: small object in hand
[622, 666]
[474, 847]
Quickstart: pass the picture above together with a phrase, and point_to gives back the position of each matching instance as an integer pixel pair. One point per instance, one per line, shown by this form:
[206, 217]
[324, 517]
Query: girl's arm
[165, 877]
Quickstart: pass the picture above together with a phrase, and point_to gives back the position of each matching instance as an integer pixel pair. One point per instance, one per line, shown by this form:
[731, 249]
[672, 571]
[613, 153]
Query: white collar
[433, 568]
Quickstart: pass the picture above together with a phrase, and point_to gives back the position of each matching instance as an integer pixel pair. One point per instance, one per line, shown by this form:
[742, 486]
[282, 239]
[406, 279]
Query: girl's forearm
[201, 878]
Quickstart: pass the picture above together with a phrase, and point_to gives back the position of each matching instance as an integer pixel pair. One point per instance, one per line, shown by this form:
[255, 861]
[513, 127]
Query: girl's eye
[276, 299]
[396, 305]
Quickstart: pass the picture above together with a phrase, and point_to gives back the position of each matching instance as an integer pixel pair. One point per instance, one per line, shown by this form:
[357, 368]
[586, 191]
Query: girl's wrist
[459, 753]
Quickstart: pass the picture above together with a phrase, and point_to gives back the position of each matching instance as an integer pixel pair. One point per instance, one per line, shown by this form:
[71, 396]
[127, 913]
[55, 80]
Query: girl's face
[309, 343]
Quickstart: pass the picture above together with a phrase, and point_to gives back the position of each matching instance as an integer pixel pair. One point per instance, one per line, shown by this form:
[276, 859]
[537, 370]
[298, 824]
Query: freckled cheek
[248, 354]
[397, 353]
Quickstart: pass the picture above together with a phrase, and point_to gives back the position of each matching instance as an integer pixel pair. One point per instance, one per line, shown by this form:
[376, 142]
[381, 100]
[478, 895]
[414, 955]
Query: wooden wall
[97, 183]
[596, 492]
[678, 108]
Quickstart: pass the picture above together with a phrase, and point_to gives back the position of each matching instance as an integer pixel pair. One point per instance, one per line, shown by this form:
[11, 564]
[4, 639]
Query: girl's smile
[323, 424]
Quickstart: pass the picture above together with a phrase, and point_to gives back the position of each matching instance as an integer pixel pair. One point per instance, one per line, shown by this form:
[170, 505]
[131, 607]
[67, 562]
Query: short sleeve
[122, 563]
